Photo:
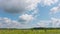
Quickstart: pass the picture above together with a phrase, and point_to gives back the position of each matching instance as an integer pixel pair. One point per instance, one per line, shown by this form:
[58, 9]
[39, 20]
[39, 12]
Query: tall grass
[8, 31]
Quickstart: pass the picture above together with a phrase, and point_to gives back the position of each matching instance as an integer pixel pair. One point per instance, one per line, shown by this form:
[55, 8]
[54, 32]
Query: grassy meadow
[39, 31]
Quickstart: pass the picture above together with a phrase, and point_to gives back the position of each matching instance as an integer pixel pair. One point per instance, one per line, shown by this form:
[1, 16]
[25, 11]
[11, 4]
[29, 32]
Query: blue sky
[29, 13]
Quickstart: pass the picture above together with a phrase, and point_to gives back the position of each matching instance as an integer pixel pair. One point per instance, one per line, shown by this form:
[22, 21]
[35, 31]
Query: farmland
[30, 31]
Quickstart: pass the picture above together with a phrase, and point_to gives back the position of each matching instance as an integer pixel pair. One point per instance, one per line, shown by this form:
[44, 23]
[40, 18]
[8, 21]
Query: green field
[53, 31]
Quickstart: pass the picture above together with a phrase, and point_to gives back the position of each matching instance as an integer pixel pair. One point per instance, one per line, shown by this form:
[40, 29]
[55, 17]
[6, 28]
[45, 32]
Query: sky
[29, 13]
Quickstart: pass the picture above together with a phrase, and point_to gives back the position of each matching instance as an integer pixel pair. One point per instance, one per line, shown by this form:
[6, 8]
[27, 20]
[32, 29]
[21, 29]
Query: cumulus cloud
[18, 6]
[53, 23]
[8, 23]
[43, 23]
[25, 18]
[54, 10]
[48, 2]
[21, 6]
[35, 12]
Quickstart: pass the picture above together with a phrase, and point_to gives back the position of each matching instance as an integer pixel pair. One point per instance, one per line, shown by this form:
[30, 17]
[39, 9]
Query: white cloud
[43, 23]
[33, 4]
[54, 23]
[18, 6]
[25, 18]
[54, 10]
[8, 23]
[36, 11]
[48, 2]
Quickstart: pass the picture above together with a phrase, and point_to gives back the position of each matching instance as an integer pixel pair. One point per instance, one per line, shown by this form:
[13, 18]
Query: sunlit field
[49, 31]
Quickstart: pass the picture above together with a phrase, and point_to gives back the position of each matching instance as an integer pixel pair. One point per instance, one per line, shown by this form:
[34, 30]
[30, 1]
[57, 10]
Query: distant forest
[28, 28]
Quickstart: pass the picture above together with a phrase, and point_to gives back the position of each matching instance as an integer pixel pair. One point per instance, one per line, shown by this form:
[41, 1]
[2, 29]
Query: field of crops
[54, 31]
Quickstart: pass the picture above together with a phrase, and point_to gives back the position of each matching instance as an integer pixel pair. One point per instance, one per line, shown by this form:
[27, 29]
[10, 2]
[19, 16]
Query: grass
[48, 31]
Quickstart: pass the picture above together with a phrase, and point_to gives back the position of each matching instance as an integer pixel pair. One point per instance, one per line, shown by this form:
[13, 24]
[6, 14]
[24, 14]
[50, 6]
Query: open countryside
[30, 31]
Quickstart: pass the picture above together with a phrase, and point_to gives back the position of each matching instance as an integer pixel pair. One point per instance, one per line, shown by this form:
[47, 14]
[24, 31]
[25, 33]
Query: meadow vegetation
[30, 31]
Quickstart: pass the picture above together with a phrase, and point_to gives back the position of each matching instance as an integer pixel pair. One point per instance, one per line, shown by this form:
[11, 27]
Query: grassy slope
[53, 31]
